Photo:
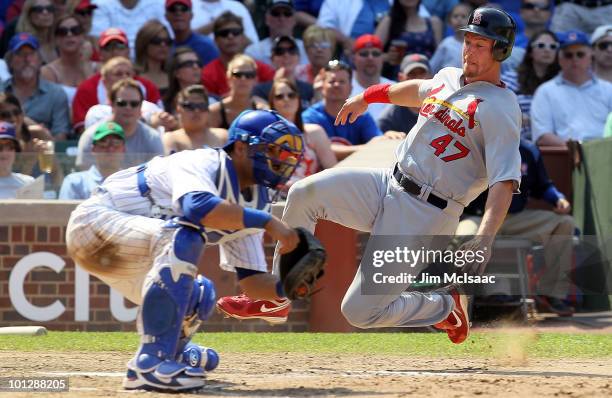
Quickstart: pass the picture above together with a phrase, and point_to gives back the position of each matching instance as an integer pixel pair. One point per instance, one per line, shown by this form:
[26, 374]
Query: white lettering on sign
[52, 311]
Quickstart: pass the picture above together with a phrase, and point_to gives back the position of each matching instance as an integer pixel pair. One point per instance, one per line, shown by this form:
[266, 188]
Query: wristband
[378, 93]
[253, 218]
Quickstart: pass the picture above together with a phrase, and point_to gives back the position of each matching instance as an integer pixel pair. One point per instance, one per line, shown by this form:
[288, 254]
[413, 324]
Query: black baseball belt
[415, 189]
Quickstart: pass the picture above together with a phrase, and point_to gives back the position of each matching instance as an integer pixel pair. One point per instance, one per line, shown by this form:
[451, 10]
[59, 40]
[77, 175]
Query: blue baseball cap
[8, 132]
[574, 37]
[23, 39]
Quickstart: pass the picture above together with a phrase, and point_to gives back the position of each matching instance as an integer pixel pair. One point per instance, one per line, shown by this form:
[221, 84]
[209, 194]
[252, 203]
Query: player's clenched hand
[287, 236]
[351, 110]
[563, 206]
[480, 247]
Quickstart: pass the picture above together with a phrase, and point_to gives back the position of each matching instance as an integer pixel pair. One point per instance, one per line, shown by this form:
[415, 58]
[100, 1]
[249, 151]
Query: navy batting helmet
[275, 145]
[494, 24]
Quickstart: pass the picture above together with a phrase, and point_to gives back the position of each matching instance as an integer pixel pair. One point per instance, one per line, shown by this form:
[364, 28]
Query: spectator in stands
[44, 102]
[108, 150]
[574, 105]
[113, 43]
[539, 65]
[336, 89]
[152, 50]
[306, 12]
[349, 19]
[129, 15]
[285, 58]
[401, 119]
[83, 11]
[241, 75]
[318, 155]
[535, 15]
[38, 18]
[70, 69]
[192, 111]
[116, 69]
[319, 44]
[552, 229]
[230, 40]
[449, 51]
[441, 8]
[179, 15]
[10, 182]
[206, 13]
[184, 70]
[280, 20]
[582, 15]
[141, 141]
[601, 40]
[405, 31]
[368, 61]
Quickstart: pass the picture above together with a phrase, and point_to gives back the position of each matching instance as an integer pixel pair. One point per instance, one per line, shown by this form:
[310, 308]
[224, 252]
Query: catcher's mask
[275, 145]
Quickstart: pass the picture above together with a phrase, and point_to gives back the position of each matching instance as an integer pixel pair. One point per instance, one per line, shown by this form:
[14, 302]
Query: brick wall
[43, 285]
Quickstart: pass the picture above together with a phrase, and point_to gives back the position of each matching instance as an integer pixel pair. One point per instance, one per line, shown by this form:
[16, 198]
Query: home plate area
[303, 375]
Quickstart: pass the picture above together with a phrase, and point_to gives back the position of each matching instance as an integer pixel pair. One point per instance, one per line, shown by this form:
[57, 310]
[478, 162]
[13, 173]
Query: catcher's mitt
[300, 268]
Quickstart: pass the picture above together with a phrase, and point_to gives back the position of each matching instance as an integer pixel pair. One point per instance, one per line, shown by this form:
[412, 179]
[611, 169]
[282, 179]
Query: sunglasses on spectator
[121, 103]
[10, 114]
[190, 63]
[550, 46]
[88, 12]
[176, 8]
[533, 6]
[158, 41]
[40, 9]
[335, 65]
[604, 45]
[571, 55]
[286, 12]
[285, 50]
[230, 31]
[367, 53]
[66, 30]
[244, 75]
[322, 45]
[9, 145]
[109, 142]
[288, 96]
[194, 106]
[115, 45]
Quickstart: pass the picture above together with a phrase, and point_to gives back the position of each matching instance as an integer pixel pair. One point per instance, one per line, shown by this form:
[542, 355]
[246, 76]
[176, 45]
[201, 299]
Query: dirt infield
[299, 375]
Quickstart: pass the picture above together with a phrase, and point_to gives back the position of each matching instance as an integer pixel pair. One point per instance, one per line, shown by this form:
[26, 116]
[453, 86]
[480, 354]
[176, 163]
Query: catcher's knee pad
[197, 356]
[187, 245]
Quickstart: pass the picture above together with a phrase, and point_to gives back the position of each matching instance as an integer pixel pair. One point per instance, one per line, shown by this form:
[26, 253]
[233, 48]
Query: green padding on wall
[592, 201]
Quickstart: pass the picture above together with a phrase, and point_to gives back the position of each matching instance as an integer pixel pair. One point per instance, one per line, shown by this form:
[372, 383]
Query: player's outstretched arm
[404, 94]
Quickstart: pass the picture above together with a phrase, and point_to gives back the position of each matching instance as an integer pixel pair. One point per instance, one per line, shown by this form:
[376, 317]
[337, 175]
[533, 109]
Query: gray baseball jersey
[466, 137]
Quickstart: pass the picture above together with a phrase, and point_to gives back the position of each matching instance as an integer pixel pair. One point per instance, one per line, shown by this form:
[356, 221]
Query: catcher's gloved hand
[300, 268]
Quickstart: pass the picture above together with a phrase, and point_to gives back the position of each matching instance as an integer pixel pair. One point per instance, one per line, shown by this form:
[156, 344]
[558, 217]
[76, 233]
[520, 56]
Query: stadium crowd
[106, 84]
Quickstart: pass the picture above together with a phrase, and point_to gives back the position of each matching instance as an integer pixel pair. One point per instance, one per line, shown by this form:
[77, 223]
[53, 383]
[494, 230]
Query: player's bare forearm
[406, 93]
[498, 202]
[260, 286]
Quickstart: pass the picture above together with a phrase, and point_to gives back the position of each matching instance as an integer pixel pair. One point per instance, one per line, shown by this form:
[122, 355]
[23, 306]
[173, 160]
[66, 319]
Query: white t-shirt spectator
[204, 12]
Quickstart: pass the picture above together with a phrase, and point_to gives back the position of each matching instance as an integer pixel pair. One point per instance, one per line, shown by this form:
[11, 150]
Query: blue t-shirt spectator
[360, 132]
[203, 46]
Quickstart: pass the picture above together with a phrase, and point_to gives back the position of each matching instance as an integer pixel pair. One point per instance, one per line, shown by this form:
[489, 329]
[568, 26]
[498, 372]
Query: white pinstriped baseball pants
[116, 247]
[370, 200]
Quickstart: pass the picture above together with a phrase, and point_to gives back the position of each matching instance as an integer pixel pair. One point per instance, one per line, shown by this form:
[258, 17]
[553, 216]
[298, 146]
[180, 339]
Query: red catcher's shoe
[457, 324]
[244, 307]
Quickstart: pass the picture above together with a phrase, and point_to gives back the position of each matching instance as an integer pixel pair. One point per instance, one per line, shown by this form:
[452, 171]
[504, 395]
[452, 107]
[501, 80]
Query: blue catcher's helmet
[275, 145]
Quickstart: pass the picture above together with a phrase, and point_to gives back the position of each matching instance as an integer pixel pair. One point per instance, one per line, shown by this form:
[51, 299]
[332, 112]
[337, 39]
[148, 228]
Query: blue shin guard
[167, 299]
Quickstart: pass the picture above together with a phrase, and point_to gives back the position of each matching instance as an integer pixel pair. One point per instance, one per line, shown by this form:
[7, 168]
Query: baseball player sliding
[466, 139]
[220, 196]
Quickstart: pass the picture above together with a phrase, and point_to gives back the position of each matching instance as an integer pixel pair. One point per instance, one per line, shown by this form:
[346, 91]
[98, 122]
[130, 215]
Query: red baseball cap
[111, 34]
[170, 3]
[85, 5]
[367, 41]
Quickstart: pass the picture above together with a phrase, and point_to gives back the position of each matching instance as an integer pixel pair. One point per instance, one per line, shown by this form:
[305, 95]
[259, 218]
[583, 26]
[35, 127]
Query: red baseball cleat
[457, 324]
[244, 307]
